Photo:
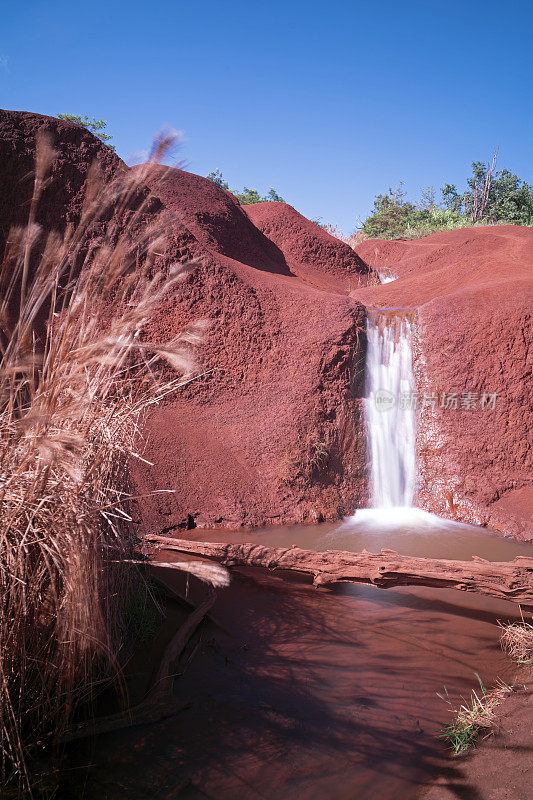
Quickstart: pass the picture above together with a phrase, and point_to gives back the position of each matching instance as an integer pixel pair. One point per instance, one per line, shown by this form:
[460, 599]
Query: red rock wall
[271, 433]
[473, 289]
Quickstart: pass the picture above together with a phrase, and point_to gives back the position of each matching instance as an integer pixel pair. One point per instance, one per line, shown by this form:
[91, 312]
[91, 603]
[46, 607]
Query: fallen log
[507, 580]
[159, 703]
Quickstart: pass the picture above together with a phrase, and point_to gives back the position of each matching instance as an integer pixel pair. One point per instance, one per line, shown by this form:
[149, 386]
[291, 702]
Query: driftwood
[159, 703]
[507, 580]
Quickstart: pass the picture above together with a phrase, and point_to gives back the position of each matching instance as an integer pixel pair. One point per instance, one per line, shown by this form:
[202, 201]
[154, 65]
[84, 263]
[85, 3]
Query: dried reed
[75, 376]
[517, 641]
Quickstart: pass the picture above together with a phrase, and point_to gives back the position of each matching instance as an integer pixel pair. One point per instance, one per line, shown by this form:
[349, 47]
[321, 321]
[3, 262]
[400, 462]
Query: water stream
[298, 693]
[390, 421]
[389, 407]
[292, 692]
[386, 278]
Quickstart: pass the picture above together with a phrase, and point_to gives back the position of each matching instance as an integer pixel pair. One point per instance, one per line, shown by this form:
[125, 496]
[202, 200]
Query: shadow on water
[313, 694]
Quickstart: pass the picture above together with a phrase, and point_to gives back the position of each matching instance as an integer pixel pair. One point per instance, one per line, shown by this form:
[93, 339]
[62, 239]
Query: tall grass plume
[75, 377]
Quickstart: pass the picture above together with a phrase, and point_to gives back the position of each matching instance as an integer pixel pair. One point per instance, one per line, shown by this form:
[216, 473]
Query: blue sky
[330, 103]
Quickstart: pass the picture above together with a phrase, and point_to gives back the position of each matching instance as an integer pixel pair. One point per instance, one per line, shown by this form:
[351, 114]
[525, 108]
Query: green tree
[245, 196]
[451, 198]
[390, 215]
[510, 199]
[273, 197]
[248, 197]
[96, 126]
[218, 178]
[490, 197]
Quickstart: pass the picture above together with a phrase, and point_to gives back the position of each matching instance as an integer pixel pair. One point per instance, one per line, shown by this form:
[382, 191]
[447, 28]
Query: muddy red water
[293, 692]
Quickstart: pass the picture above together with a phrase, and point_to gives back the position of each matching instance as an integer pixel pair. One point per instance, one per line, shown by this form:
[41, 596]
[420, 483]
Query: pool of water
[296, 692]
[409, 531]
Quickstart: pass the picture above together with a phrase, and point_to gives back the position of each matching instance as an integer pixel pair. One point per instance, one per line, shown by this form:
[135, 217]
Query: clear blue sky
[328, 102]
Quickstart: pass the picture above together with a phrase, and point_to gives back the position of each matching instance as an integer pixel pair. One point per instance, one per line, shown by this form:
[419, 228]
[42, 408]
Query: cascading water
[390, 412]
[384, 278]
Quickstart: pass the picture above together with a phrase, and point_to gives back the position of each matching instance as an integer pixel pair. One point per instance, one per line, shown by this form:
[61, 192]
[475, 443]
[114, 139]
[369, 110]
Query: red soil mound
[76, 149]
[216, 219]
[473, 289]
[449, 262]
[311, 253]
[271, 432]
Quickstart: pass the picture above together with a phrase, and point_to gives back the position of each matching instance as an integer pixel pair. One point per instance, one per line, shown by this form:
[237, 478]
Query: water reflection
[294, 692]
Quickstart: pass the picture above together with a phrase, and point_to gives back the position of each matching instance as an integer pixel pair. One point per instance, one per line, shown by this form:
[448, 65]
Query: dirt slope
[272, 431]
[473, 289]
[311, 253]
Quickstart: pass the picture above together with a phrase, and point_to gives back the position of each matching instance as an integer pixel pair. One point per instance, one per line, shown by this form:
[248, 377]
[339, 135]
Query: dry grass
[358, 237]
[305, 458]
[517, 641]
[472, 717]
[75, 377]
[479, 714]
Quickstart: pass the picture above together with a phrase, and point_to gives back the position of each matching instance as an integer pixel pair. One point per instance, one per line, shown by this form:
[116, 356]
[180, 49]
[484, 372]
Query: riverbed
[295, 692]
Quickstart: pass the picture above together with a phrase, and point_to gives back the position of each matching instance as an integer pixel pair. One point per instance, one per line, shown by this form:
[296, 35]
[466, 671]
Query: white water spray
[389, 407]
[390, 413]
[384, 278]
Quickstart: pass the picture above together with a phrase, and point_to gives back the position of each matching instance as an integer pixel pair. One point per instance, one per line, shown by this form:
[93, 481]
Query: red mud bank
[272, 432]
[473, 291]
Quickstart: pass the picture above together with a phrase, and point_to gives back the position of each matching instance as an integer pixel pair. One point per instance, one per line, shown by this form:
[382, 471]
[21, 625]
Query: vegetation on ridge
[246, 196]
[96, 126]
[491, 197]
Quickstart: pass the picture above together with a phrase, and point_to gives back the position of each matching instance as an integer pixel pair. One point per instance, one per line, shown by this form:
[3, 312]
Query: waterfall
[384, 278]
[390, 415]
[390, 409]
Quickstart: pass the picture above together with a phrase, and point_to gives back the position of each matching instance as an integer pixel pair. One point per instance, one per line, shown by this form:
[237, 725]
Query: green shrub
[491, 198]
[96, 126]
[246, 196]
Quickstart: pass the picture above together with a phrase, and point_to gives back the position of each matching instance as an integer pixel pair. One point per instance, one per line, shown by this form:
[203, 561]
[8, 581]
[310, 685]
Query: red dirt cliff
[271, 432]
[473, 289]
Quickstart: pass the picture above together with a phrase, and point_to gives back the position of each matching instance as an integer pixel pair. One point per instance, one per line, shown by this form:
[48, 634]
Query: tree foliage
[390, 216]
[96, 126]
[245, 196]
[506, 199]
[218, 178]
[510, 199]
